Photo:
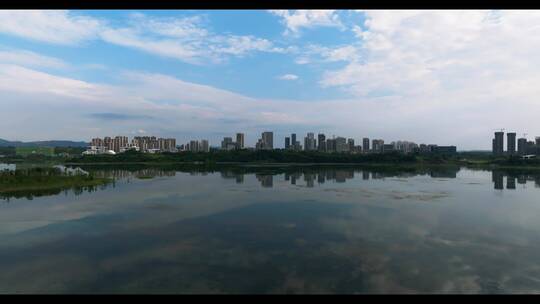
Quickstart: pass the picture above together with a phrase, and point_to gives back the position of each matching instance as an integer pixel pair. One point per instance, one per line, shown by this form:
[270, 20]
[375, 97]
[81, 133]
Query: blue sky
[445, 77]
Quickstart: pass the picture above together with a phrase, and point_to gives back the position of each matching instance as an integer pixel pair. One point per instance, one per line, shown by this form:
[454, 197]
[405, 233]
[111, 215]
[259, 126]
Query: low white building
[94, 150]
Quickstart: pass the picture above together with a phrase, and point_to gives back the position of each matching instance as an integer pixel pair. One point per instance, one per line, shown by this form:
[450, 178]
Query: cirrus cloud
[288, 77]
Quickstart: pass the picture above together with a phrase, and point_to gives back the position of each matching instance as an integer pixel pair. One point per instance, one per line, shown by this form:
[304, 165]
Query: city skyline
[153, 144]
[75, 75]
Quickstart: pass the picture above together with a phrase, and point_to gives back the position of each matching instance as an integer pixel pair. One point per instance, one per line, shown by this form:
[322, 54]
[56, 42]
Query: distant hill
[45, 143]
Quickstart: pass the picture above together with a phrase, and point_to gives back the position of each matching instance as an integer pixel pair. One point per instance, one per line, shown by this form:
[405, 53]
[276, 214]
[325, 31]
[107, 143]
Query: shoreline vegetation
[46, 181]
[272, 158]
[303, 158]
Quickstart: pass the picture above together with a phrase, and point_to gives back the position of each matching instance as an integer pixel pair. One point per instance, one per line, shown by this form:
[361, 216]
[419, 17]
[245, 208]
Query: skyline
[447, 77]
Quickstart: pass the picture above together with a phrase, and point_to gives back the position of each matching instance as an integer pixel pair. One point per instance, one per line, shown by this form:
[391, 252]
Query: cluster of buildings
[195, 146]
[347, 145]
[119, 144]
[525, 148]
[228, 144]
[151, 144]
[266, 142]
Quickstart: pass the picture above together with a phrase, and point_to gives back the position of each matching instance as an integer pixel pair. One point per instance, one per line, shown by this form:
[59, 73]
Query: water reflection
[266, 175]
[267, 180]
[278, 230]
[309, 176]
[32, 194]
[522, 177]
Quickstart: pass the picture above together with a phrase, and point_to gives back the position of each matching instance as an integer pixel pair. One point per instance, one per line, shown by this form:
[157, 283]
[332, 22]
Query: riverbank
[285, 158]
[37, 180]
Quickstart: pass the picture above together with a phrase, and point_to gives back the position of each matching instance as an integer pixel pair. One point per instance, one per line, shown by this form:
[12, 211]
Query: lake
[277, 230]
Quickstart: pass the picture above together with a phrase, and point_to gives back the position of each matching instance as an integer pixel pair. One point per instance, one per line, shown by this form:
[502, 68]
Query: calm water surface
[303, 230]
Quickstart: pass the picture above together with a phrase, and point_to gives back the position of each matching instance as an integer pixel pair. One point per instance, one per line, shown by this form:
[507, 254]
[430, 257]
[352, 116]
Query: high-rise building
[341, 144]
[287, 143]
[322, 142]
[293, 141]
[330, 145]
[365, 144]
[204, 147]
[240, 140]
[386, 148]
[119, 143]
[194, 146]
[167, 144]
[531, 147]
[405, 146]
[537, 140]
[511, 143]
[226, 143]
[377, 145]
[268, 140]
[108, 143]
[522, 146]
[309, 142]
[97, 142]
[498, 144]
[350, 142]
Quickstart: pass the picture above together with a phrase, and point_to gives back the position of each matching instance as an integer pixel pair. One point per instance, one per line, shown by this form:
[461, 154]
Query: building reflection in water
[307, 174]
[510, 182]
[238, 177]
[365, 175]
[338, 175]
[267, 180]
[309, 178]
[324, 175]
[497, 177]
[321, 178]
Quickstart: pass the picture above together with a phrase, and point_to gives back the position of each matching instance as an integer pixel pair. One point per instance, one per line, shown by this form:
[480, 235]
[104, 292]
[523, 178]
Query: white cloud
[182, 38]
[198, 111]
[182, 28]
[170, 105]
[296, 19]
[20, 79]
[462, 72]
[288, 77]
[163, 47]
[28, 58]
[185, 39]
[57, 27]
[317, 53]
[431, 76]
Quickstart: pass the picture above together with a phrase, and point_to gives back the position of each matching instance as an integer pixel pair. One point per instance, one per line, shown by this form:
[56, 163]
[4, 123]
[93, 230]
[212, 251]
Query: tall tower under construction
[511, 143]
[498, 143]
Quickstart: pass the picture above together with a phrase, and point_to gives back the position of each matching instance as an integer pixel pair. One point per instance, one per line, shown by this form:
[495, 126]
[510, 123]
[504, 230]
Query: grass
[25, 151]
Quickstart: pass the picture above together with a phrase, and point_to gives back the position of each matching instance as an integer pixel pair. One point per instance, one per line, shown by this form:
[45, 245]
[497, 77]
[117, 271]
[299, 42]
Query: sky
[434, 77]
